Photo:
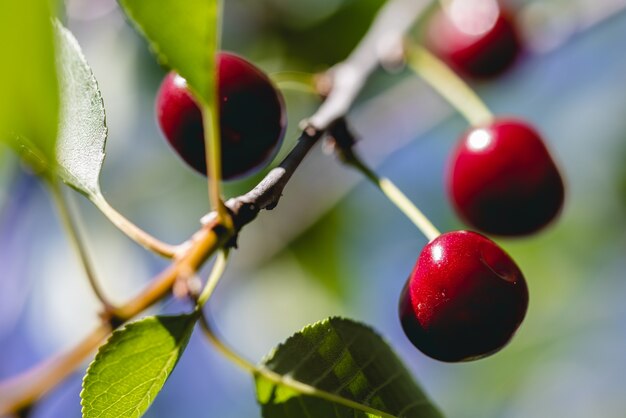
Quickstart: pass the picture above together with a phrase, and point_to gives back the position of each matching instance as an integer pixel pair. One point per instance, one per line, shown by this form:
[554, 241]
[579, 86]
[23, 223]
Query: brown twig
[24, 389]
[21, 391]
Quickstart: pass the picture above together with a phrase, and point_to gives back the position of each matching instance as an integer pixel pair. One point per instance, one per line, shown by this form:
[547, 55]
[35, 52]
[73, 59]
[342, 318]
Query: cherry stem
[212, 132]
[436, 73]
[213, 148]
[135, 233]
[224, 349]
[214, 277]
[396, 196]
[295, 80]
[70, 225]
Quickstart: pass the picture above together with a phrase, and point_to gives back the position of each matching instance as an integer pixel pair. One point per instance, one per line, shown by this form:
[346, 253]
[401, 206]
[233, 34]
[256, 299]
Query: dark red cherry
[464, 299]
[251, 112]
[502, 179]
[475, 37]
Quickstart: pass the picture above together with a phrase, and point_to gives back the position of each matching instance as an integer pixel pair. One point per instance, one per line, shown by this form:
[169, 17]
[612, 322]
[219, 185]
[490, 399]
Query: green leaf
[350, 370]
[28, 81]
[131, 368]
[184, 36]
[82, 129]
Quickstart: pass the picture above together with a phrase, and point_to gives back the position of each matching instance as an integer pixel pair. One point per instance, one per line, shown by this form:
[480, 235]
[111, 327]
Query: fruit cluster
[466, 297]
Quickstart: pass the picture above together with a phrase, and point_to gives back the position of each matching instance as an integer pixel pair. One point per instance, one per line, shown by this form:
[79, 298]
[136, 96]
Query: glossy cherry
[475, 37]
[464, 299]
[502, 179]
[252, 118]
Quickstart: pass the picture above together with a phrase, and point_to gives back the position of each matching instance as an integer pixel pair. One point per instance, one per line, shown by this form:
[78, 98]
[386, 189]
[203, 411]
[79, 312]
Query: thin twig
[397, 197]
[133, 231]
[214, 277]
[343, 141]
[385, 35]
[449, 85]
[24, 389]
[211, 128]
[74, 235]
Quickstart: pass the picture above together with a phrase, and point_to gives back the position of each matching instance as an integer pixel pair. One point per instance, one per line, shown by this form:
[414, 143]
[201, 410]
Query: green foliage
[303, 43]
[132, 367]
[28, 82]
[321, 242]
[82, 128]
[351, 371]
[184, 37]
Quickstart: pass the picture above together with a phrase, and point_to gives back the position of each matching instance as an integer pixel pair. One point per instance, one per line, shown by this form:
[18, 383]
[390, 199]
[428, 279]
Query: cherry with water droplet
[464, 299]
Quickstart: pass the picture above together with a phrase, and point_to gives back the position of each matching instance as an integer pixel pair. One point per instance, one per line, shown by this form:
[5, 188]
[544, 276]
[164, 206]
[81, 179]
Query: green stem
[212, 132]
[213, 148]
[72, 230]
[295, 80]
[278, 379]
[131, 230]
[449, 85]
[214, 277]
[396, 196]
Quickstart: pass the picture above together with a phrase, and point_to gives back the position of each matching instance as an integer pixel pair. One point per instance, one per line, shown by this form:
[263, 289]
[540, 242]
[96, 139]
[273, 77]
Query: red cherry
[502, 179]
[476, 38]
[464, 299]
[251, 112]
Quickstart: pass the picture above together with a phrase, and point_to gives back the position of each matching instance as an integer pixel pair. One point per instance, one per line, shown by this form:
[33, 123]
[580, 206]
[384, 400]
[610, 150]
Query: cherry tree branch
[382, 44]
[378, 46]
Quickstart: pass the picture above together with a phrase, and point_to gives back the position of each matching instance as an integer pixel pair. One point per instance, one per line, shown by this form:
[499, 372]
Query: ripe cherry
[252, 118]
[476, 38]
[464, 299]
[502, 179]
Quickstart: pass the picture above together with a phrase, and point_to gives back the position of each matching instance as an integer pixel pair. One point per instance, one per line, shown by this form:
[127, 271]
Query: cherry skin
[478, 42]
[464, 299]
[252, 118]
[503, 181]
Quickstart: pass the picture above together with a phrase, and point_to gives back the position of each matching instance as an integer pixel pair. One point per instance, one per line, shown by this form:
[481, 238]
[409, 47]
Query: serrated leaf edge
[65, 174]
[310, 390]
[102, 349]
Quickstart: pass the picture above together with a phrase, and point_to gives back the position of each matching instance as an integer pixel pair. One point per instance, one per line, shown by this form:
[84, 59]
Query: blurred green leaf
[184, 36]
[82, 128]
[28, 82]
[321, 242]
[347, 26]
[346, 360]
[132, 367]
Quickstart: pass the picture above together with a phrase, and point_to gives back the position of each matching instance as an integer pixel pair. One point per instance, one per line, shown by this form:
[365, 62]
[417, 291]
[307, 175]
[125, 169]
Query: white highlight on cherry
[437, 253]
[479, 139]
[474, 17]
[179, 81]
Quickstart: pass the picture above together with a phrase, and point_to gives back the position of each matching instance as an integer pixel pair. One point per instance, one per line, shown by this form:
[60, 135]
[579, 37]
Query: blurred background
[334, 245]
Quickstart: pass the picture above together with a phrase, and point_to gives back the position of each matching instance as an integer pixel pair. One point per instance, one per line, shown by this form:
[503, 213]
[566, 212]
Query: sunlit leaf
[28, 81]
[132, 367]
[82, 129]
[354, 370]
[183, 34]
